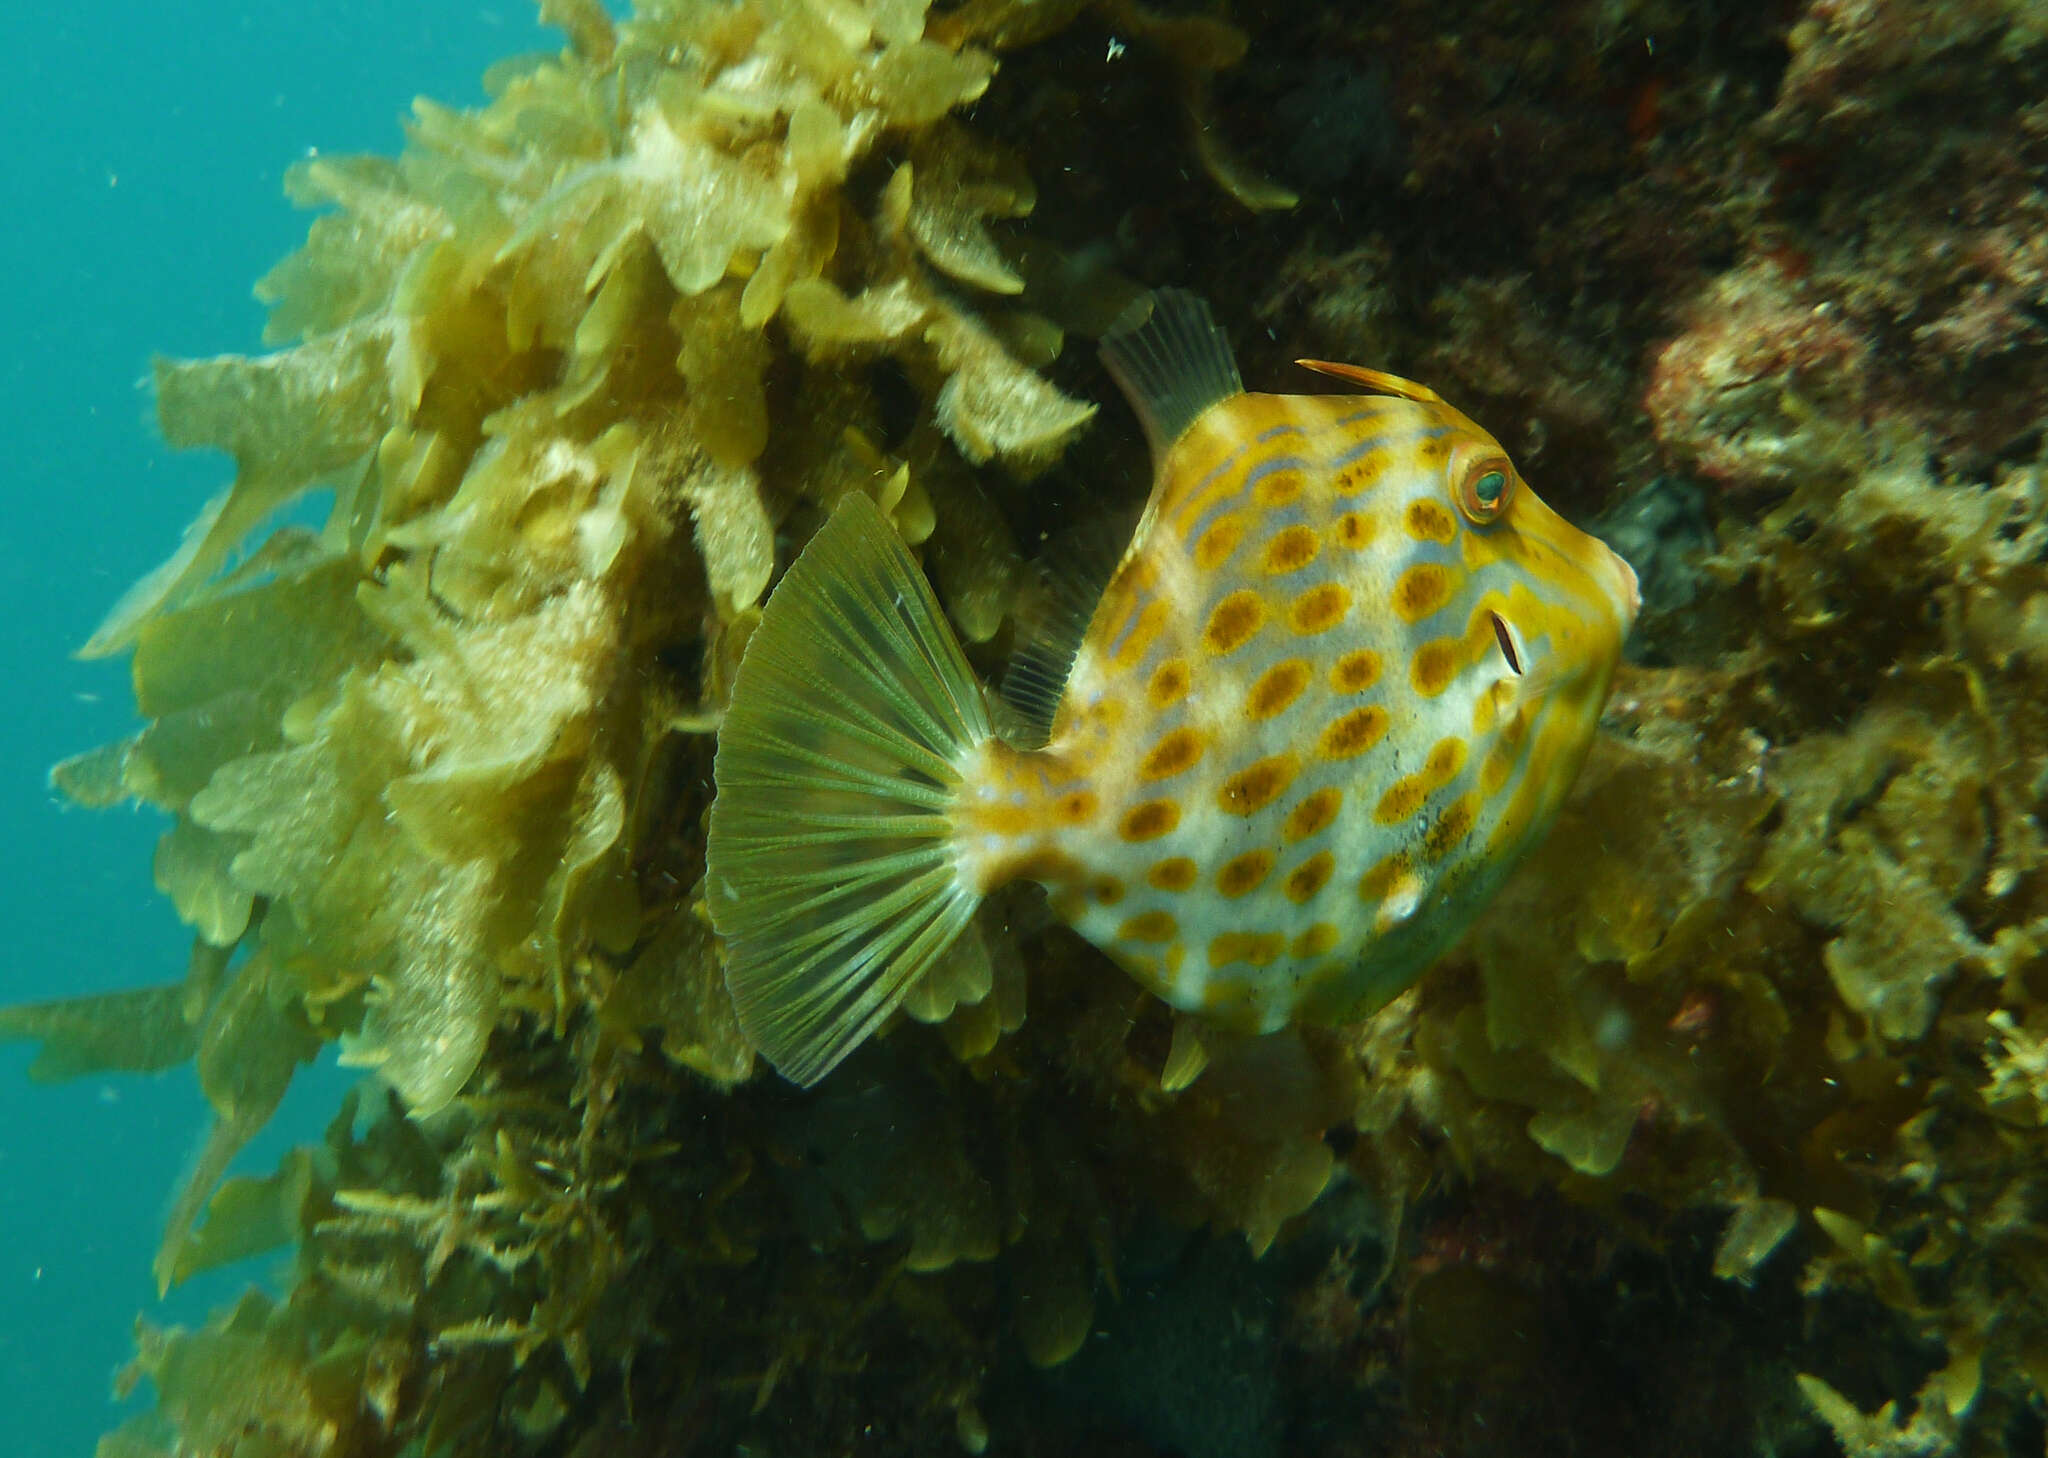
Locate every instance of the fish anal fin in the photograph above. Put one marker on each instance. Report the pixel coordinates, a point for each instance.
(1172, 361)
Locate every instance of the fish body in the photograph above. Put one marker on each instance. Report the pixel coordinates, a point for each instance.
(1338, 685)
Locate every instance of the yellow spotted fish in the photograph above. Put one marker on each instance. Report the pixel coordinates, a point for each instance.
(1337, 686)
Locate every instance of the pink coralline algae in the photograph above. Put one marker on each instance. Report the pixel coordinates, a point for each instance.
(1891, 259)
(1719, 393)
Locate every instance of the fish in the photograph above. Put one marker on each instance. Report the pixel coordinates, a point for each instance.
(1335, 689)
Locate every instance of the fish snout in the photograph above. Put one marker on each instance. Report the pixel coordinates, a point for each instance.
(1631, 589)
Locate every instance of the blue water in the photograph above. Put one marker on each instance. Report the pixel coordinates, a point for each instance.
(141, 152)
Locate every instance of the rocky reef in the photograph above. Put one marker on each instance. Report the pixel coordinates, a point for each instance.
(1722, 1131)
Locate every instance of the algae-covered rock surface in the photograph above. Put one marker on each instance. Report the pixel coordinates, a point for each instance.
(1721, 1132)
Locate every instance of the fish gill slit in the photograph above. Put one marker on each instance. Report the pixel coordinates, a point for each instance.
(1502, 636)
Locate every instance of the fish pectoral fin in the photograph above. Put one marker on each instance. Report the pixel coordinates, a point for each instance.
(1172, 361)
(830, 871)
(1538, 681)
(1377, 381)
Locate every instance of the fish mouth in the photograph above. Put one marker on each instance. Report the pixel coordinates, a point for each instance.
(1612, 577)
(1631, 587)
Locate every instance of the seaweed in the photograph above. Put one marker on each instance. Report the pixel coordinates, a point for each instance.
(1747, 1064)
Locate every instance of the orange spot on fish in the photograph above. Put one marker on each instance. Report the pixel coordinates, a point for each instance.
(1176, 874)
(1175, 753)
(1243, 874)
(1256, 786)
(1446, 758)
(1219, 541)
(1353, 530)
(1149, 820)
(1361, 474)
(1149, 926)
(1429, 522)
(1234, 621)
(1493, 774)
(1402, 799)
(1000, 819)
(1314, 942)
(1486, 707)
(1281, 488)
(1307, 878)
(1118, 608)
(1140, 964)
(1169, 684)
(1132, 646)
(1421, 590)
(1450, 828)
(1319, 609)
(1354, 733)
(1314, 814)
(1436, 663)
(1257, 948)
(1077, 807)
(1355, 672)
(1379, 883)
(1277, 687)
(1290, 549)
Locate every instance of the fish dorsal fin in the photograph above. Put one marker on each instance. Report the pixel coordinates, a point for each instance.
(1172, 361)
(1053, 612)
(1377, 381)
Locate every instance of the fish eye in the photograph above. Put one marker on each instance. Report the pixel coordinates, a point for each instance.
(1482, 482)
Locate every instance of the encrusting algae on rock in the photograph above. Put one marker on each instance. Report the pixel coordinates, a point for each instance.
(1720, 1130)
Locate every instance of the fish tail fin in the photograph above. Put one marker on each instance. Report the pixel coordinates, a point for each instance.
(831, 872)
